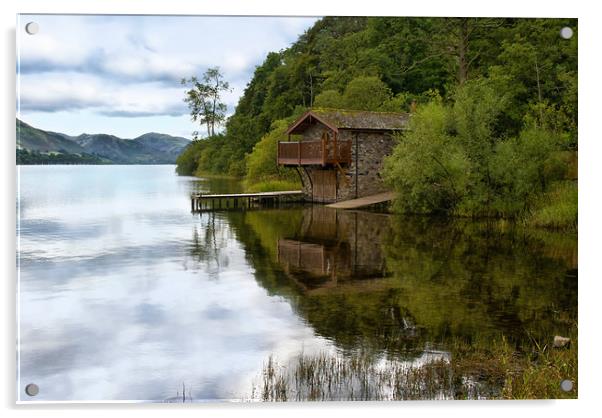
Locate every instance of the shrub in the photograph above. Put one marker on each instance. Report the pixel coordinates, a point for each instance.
(455, 159)
(556, 208)
(261, 164)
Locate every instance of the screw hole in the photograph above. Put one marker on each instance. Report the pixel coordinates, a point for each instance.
(32, 389)
(32, 28)
(566, 32)
(566, 385)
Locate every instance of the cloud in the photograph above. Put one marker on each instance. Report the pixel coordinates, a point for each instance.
(57, 92)
(154, 48)
(131, 66)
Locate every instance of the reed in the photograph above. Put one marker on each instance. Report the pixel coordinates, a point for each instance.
(499, 370)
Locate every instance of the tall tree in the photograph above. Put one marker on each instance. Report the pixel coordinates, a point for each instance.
(204, 99)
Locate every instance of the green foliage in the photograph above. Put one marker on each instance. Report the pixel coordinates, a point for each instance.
(186, 162)
(329, 99)
(450, 280)
(456, 159)
(272, 186)
(427, 167)
(39, 146)
(261, 162)
(525, 166)
(366, 93)
(25, 157)
(204, 99)
(557, 208)
(504, 93)
(538, 69)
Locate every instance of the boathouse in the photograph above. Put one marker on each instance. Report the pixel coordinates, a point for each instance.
(339, 153)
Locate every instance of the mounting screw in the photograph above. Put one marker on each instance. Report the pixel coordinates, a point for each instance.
(32, 28)
(566, 32)
(32, 389)
(566, 385)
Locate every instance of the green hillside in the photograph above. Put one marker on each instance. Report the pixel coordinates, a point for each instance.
(33, 139)
(493, 102)
(36, 146)
(388, 63)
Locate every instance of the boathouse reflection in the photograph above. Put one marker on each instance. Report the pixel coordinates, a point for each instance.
(334, 248)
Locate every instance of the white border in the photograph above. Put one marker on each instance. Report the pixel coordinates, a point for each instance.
(589, 208)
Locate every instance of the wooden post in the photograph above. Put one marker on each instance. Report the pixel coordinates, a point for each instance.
(299, 151)
(336, 157)
(323, 149)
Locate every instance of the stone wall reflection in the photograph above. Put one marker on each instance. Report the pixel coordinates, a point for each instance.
(333, 248)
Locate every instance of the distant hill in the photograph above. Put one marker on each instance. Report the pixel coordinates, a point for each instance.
(33, 139)
(150, 148)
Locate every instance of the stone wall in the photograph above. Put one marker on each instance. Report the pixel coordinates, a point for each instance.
(359, 180)
(365, 178)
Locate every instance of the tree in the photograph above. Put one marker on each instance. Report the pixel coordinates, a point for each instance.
(493, 77)
(329, 98)
(366, 93)
(455, 158)
(261, 162)
(204, 99)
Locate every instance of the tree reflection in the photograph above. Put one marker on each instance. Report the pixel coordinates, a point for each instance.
(398, 285)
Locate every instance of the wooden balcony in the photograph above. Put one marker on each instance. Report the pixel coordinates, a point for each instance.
(314, 152)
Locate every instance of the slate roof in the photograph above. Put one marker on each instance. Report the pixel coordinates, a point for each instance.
(352, 119)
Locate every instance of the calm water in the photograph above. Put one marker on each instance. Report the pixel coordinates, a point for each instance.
(126, 295)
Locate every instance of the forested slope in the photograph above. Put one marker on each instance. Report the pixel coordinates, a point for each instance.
(493, 85)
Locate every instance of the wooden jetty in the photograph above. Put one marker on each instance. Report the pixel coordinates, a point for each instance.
(242, 201)
(363, 201)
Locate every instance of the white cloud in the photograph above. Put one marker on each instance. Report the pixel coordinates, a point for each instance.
(131, 65)
(53, 92)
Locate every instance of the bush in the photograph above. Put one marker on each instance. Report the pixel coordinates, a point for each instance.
(556, 208)
(524, 167)
(186, 163)
(261, 164)
(427, 168)
(272, 186)
(362, 93)
(455, 159)
(366, 93)
(329, 98)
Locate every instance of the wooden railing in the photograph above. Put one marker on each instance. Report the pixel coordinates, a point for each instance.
(314, 152)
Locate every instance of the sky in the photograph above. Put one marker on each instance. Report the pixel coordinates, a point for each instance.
(121, 75)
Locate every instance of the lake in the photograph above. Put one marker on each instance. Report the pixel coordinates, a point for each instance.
(126, 295)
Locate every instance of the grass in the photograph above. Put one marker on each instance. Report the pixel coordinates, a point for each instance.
(327, 377)
(271, 186)
(208, 175)
(540, 376)
(557, 209)
(498, 372)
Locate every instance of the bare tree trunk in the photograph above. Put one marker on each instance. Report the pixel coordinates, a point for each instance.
(311, 91)
(538, 90)
(463, 51)
(213, 110)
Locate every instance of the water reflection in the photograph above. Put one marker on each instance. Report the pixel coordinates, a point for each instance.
(126, 295)
(398, 285)
(333, 247)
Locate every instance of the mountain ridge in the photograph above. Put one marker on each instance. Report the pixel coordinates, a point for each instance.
(148, 148)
